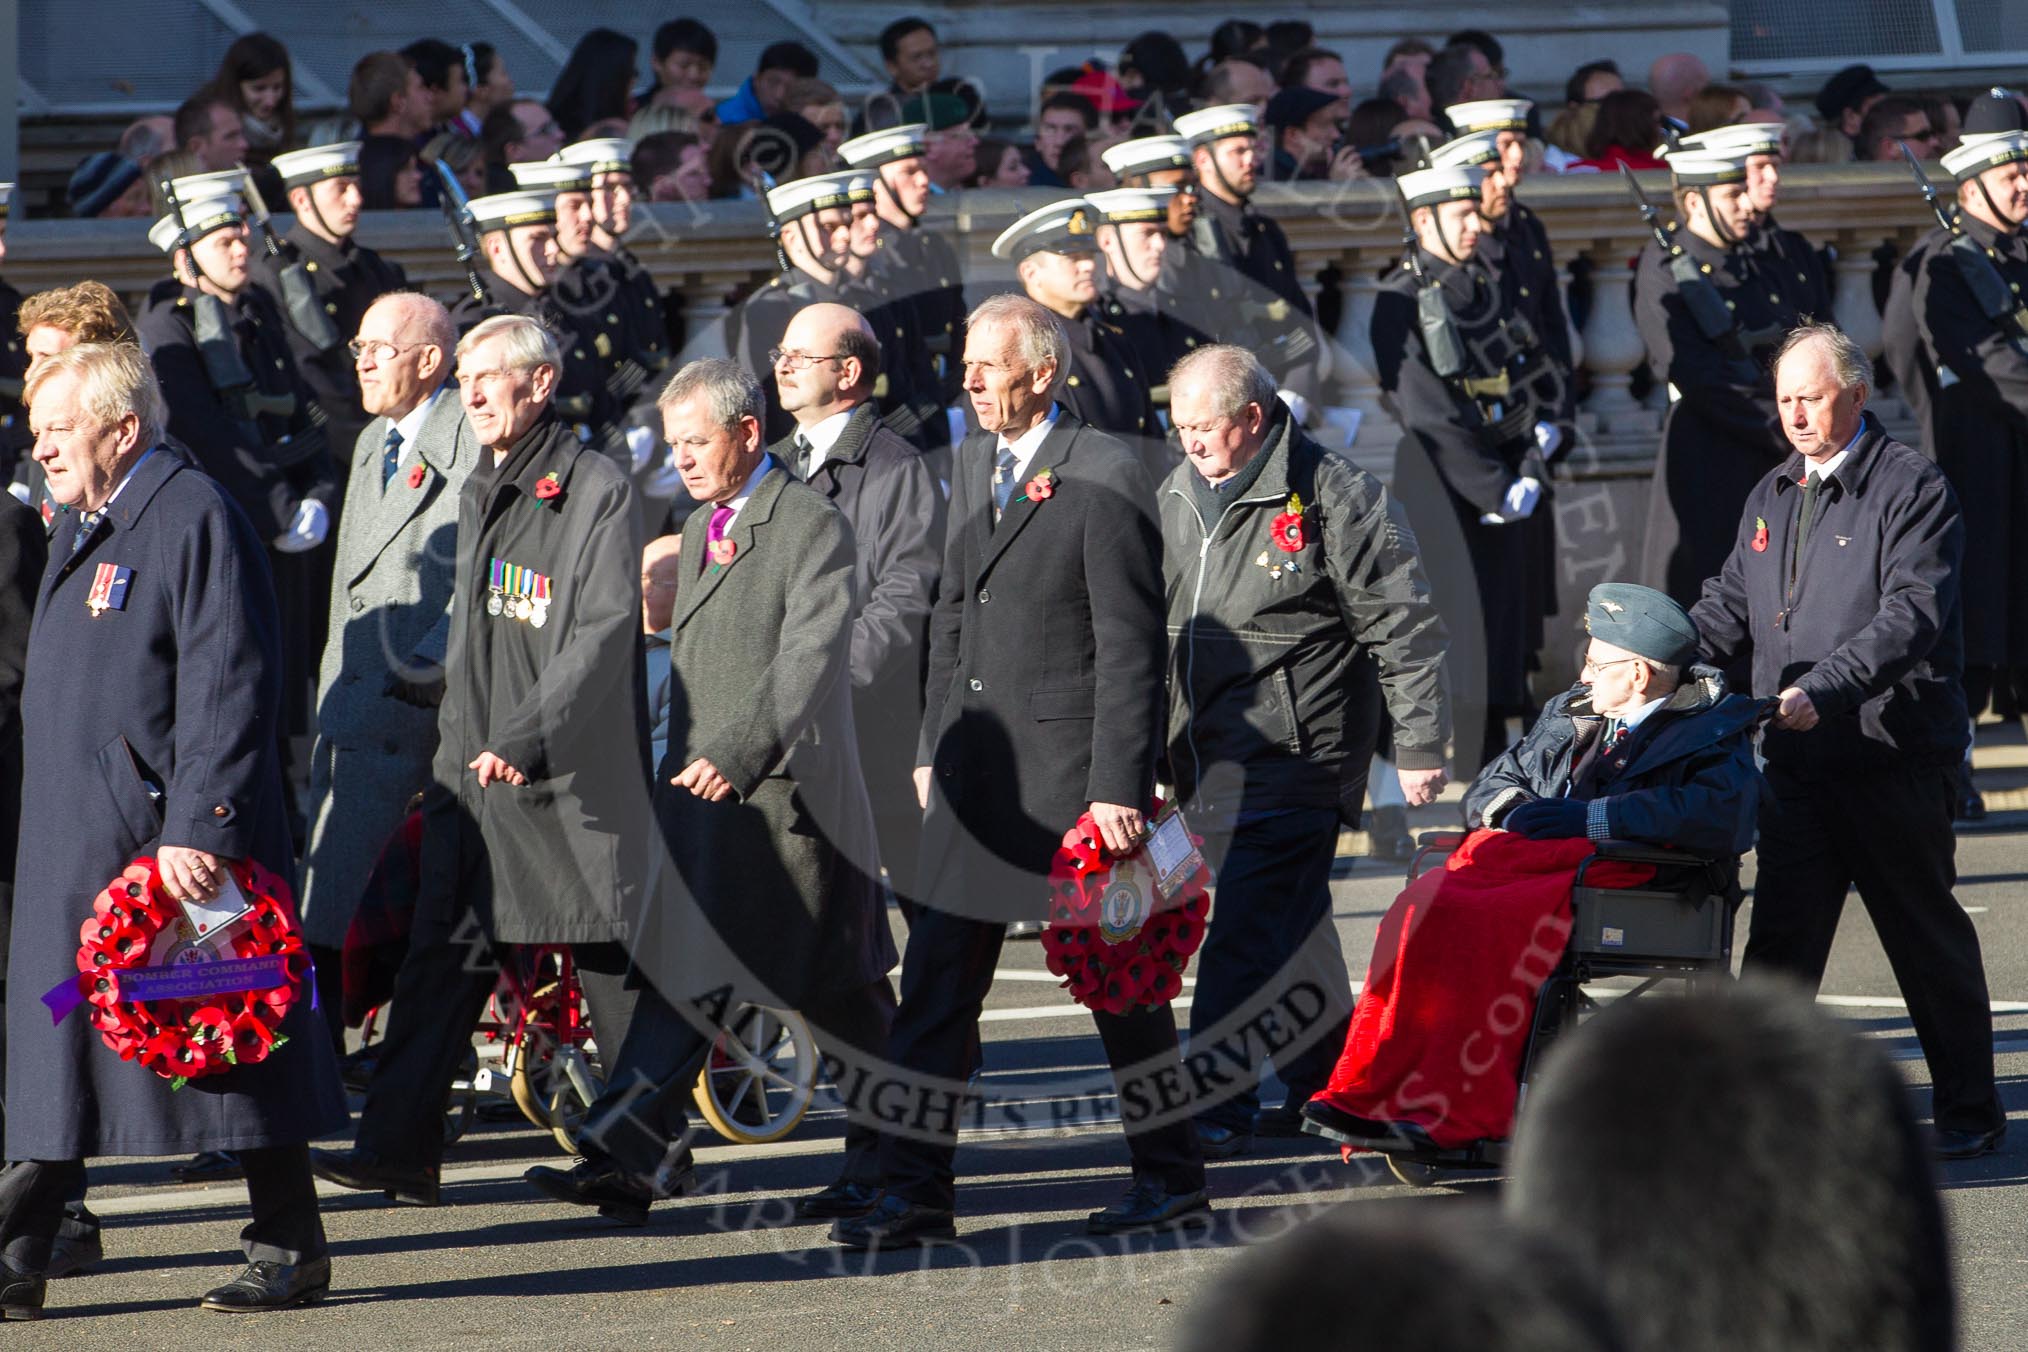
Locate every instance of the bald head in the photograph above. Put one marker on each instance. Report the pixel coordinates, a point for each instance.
(1674, 80)
(830, 360)
(659, 561)
(407, 342)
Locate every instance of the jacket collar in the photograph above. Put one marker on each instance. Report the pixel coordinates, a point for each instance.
(1851, 476)
(144, 482)
(855, 437)
(745, 536)
(1052, 454)
(549, 447)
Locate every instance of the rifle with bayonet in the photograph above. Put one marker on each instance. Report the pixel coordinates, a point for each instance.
(1995, 299)
(1442, 341)
(1708, 310)
(299, 294)
(218, 343)
(464, 235)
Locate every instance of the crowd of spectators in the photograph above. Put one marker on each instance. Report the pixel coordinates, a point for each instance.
(458, 102)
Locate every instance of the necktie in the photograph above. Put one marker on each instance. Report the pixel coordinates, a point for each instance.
(1003, 482)
(1813, 490)
(390, 457)
(802, 465)
(719, 517)
(86, 524)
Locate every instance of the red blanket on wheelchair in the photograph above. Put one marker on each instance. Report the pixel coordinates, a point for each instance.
(1441, 1026)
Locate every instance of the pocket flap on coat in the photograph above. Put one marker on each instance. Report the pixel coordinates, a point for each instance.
(1067, 702)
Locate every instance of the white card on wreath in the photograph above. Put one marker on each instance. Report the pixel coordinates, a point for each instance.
(213, 917)
(1173, 853)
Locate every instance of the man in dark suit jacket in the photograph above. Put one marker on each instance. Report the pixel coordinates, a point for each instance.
(830, 361)
(771, 897)
(1044, 701)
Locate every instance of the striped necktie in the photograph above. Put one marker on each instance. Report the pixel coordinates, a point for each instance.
(390, 457)
(1003, 482)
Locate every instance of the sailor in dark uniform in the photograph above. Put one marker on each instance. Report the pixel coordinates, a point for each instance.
(1159, 162)
(14, 439)
(649, 337)
(905, 407)
(1764, 145)
(1455, 370)
(1055, 253)
(1711, 320)
(920, 269)
(1966, 298)
(1133, 234)
(811, 221)
(1236, 274)
(344, 277)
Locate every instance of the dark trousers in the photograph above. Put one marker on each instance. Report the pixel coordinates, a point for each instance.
(438, 997)
(1889, 833)
(644, 1110)
(329, 966)
(286, 1225)
(1270, 930)
(945, 975)
(78, 1223)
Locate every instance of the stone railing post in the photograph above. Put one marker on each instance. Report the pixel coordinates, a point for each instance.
(1612, 342)
(1852, 291)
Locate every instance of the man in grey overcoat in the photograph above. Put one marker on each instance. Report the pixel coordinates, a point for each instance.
(771, 894)
(382, 674)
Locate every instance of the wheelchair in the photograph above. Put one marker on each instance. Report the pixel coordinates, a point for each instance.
(1675, 928)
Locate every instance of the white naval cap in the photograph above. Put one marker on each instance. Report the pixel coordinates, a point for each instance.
(805, 196)
(6, 193)
(859, 184)
(601, 155)
(1064, 226)
(203, 213)
(1746, 138)
(875, 148)
(298, 168)
(1147, 155)
(1449, 183)
(193, 186)
(1489, 115)
(1705, 166)
(1977, 152)
(1465, 151)
(1215, 124)
(505, 210)
(1125, 206)
(552, 176)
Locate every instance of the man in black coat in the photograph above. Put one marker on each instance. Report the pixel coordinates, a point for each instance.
(634, 295)
(1133, 235)
(345, 276)
(771, 894)
(830, 360)
(157, 589)
(1844, 585)
(1043, 702)
(536, 827)
(1285, 574)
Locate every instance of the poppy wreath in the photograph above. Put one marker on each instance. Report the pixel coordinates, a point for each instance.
(135, 925)
(1115, 940)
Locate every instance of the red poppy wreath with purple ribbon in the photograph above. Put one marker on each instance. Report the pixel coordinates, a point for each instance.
(1116, 936)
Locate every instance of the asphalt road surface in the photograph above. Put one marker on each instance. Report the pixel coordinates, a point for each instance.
(499, 1266)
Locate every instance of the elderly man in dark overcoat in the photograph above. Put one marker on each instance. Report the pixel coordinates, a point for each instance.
(1044, 702)
(535, 828)
(771, 893)
(150, 707)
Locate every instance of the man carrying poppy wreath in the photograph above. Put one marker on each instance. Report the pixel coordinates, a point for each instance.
(1647, 747)
(1285, 567)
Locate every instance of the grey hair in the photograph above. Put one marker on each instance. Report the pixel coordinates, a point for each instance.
(428, 315)
(731, 391)
(1039, 337)
(114, 379)
(1232, 376)
(528, 344)
(1848, 359)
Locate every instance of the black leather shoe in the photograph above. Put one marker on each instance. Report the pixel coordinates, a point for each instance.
(840, 1199)
(1148, 1205)
(1965, 1145)
(20, 1294)
(1216, 1142)
(1284, 1122)
(1025, 929)
(366, 1171)
(272, 1286)
(893, 1222)
(1321, 1119)
(616, 1193)
(76, 1247)
(212, 1166)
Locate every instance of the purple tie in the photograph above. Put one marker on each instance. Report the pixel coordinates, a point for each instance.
(719, 516)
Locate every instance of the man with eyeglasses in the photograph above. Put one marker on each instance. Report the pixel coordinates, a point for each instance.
(390, 621)
(323, 187)
(1891, 122)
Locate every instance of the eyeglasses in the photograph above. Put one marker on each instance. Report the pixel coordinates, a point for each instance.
(381, 351)
(799, 361)
(1591, 668)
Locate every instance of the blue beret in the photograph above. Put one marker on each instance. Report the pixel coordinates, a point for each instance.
(1643, 621)
(99, 181)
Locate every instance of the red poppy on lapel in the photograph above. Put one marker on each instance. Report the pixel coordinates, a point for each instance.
(415, 476)
(547, 488)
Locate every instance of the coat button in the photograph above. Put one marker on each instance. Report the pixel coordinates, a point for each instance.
(221, 811)
(977, 684)
(984, 596)
(358, 604)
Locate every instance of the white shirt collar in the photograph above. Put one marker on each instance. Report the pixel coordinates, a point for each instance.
(1640, 715)
(1028, 443)
(411, 424)
(1813, 470)
(738, 503)
(824, 435)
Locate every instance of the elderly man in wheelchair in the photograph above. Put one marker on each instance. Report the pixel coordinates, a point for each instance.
(1604, 844)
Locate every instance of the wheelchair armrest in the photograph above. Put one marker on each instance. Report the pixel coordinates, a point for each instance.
(1640, 852)
(1440, 840)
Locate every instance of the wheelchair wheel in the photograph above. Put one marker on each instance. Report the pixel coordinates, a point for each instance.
(759, 1077)
(1414, 1172)
(553, 1091)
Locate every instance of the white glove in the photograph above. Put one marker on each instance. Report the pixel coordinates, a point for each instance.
(1522, 495)
(307, 531)
(1299, 407)
(641, 446)
(1549, 437)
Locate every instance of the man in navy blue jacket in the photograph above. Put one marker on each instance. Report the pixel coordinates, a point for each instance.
(1844, 585)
